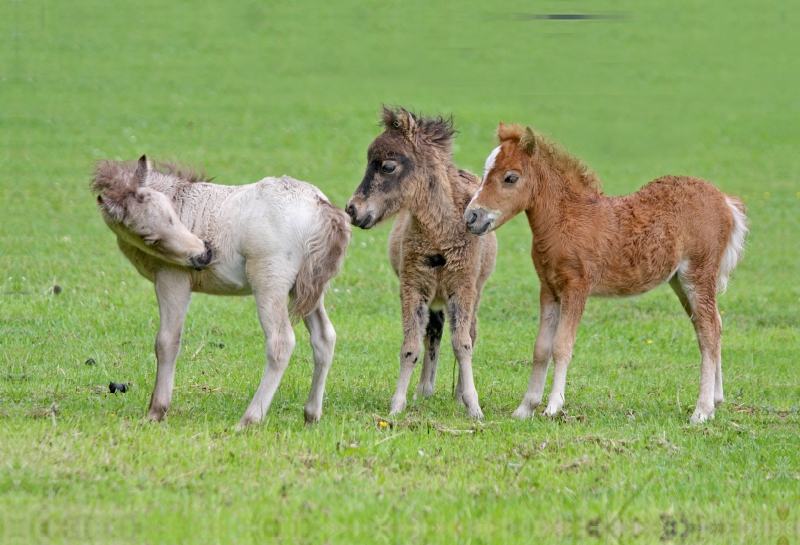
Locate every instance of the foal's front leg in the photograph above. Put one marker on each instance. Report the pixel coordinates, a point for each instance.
(572, 304)
(415, 314)
(549, 315)
(174, 292)
(460, 310)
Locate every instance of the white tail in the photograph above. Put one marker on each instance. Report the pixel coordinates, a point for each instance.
(734, 252)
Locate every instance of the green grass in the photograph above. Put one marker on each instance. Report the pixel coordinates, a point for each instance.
(264, 88)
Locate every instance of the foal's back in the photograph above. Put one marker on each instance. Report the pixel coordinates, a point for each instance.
(671, 220)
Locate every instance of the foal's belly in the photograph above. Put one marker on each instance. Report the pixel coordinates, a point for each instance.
(439, 300)
(626, 285)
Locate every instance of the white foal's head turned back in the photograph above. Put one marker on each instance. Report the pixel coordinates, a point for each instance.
(144, 217)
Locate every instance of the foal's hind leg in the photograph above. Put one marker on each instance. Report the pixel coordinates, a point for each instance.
(270, 293)
(698, 295)
(323, 340)
(433, 337)
(174, 291)
(719, 396)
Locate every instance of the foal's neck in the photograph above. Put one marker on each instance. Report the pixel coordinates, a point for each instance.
(434, 204)
(196, 211)
(168, 185)
(558, 192)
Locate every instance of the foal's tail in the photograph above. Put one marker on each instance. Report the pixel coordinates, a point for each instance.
(734, 252)
(325, 250)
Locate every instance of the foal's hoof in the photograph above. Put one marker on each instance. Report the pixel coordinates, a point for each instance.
(247, 421)
(312, 416)
(555, 402)
(552, 410)
(398, 405)
(524, 411)
(701, 415)
(157, 414)
(475, 413)
(423, 392)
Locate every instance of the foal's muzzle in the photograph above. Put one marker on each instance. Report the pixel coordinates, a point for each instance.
(204, 260)
(479, 221)
(364, 219)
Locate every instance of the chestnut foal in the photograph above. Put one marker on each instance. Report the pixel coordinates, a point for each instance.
(677, 229)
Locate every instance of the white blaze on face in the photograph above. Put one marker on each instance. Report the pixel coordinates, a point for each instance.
(490, 163)
(486, 169)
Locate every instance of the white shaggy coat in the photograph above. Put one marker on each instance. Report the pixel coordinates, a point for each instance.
(276, 238)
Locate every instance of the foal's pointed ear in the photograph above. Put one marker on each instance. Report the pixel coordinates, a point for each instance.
(406, 123)
(142, 168)
(527, 141)
(506, 132)
(501, 131)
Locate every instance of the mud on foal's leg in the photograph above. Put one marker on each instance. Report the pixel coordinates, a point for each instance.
(550, 314)
(174, 291)
(460, 310)
(323, 340)
(415, 316)
(430, 361)
(271, 297)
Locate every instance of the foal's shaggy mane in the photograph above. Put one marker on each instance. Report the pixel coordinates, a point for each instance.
(558, 156)
(437, 130)
(185, 173)
(115, 181)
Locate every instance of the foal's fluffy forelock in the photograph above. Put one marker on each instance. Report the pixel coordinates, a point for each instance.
(116, 181)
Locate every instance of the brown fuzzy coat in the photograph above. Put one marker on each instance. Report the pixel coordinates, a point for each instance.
(677, 229)
(441, 265)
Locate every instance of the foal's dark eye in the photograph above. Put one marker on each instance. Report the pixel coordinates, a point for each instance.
(511, 179)
(388, 167)
(152, 241)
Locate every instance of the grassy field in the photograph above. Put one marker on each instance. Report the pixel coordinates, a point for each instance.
(260, 88)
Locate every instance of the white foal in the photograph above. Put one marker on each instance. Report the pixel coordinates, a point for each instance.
(274, 239)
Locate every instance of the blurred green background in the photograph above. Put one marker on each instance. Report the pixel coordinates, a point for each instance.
(250, 89)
